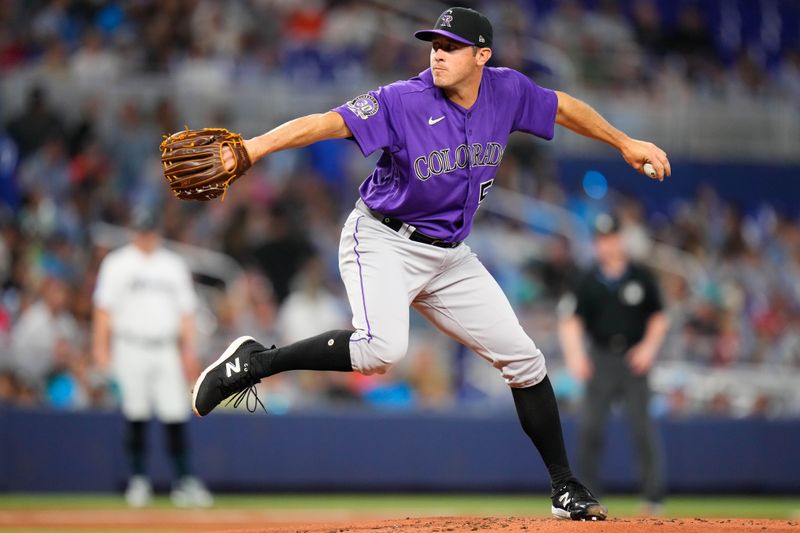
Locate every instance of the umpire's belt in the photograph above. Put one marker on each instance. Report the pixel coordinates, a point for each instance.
(406, 230)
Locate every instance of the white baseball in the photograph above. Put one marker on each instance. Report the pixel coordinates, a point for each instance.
(649, 170)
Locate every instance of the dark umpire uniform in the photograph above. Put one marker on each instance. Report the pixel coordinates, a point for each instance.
(618, 305)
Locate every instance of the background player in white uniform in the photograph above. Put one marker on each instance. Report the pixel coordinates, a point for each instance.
(441, 135)
(144, 334)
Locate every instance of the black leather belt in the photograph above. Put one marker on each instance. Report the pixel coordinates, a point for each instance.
(416, 236)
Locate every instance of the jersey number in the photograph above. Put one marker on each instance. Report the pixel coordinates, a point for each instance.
(485, 186)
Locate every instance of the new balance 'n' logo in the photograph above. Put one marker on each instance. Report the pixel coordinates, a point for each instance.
(232, 367)
(564, 498)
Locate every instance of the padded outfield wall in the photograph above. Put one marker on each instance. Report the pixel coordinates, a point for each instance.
(54, 451)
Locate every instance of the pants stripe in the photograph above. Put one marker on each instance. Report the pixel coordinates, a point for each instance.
(361, 279)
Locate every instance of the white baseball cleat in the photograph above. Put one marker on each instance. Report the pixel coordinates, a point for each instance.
(191, 492)
(139, 492)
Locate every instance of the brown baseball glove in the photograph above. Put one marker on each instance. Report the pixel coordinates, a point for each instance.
(193, 164)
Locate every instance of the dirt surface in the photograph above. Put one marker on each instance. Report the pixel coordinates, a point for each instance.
(247, 521)
(543, 525)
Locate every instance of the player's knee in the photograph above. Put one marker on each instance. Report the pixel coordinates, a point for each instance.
(378, 354)
(526, 370)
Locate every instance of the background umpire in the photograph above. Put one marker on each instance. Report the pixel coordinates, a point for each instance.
(618, 305)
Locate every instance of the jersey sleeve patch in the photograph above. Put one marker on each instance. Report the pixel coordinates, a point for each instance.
(364, 106)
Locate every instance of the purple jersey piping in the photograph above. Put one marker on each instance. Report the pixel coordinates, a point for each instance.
(361, 279)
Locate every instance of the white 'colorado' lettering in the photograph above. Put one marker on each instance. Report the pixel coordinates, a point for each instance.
(443, 161)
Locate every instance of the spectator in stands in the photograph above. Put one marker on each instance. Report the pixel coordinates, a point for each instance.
(85, 131)
(309, 306)
(95, 65)
(648, 28)
(257, 310)
(166, 117)
(558, 273)
(42, 340)
(47, 170)
(53, 66)
(691, 41)
(285, 248)
(749, 78)
(132, 148)
(36, 124)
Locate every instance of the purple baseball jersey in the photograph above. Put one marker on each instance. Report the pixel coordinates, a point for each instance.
(440, 159)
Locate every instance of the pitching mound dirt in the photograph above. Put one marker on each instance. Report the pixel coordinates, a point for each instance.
(221, 521)
(540, 525)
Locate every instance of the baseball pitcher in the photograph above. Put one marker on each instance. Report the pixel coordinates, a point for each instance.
(441, 136)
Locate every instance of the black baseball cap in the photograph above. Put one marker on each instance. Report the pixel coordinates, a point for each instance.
(605, 224)
(461, 24)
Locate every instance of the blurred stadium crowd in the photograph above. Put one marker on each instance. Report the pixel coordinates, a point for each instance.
(69, 175)
(719, 48)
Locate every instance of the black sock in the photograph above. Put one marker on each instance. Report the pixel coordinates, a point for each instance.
(135, 446)
(538, 413)
(328, 351)
(178, 451)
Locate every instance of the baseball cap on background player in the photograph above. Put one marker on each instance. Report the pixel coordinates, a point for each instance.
(461, 24)
(145, 220)
(605, 224)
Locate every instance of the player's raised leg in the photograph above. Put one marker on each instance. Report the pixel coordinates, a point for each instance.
(466, 303)
(374, 279)
(246, 361)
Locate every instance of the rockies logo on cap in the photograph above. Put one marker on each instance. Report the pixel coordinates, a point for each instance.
(463, 25)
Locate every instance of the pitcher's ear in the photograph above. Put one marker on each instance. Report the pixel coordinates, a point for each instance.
(483, 55)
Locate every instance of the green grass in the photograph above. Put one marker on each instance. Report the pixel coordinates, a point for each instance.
(436, 504)
(402, 505)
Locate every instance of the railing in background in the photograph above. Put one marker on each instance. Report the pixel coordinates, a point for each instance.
(530, 211)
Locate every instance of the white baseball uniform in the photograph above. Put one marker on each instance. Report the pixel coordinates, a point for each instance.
(146, 295)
